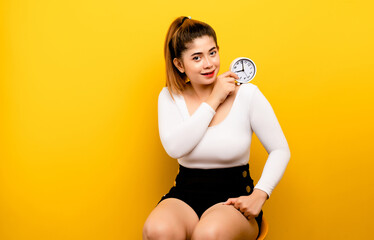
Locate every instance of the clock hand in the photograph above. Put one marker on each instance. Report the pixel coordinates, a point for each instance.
(245, 72)
(241, 69)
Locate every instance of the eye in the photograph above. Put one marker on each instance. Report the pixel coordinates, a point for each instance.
(213, 52)
(195, 58)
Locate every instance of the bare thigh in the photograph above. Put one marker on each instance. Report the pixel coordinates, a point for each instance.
(225, 222)
(170, 219)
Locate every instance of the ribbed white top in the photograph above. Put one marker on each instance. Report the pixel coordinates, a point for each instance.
(227, 144)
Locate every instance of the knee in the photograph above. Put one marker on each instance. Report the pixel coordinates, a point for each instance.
(159, 230)
(207, 233)
(155, 231)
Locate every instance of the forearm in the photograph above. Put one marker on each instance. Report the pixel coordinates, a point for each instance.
(273, 171)
(182, 137)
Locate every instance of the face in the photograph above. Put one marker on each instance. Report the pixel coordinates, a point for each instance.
(201, 57)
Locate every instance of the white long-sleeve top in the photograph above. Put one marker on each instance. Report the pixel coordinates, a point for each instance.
(227, 144)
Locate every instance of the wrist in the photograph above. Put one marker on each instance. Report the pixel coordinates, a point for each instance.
(213, 102)
(260, 193)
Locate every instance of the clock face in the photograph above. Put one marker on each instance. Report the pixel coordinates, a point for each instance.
(245, 68)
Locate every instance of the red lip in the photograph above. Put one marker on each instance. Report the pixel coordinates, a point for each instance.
(209, 75)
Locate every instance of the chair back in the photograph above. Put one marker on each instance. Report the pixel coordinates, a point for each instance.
(264, 229)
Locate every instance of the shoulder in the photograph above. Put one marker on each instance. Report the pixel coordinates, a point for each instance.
(249, 87)
(164, 90)
(248, 90)
(164, 95)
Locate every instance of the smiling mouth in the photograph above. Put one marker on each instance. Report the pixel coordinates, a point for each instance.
(209, 73)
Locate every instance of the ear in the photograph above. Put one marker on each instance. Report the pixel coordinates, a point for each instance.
(178, 64)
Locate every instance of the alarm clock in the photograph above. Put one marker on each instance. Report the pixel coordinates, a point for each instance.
(245, 68)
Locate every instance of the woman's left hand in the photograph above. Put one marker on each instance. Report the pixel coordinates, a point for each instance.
(250, 206)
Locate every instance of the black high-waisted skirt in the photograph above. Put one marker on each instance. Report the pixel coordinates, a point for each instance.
(202, 188)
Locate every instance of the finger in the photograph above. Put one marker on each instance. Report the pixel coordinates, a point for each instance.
(247, 215)
(227, 202)
(230, 74)
(230, 201)
(234, 75)
(237, 204)
(230, 80)
(233, 79)
(250, 214)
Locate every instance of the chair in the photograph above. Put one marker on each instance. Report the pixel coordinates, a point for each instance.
(264, 229)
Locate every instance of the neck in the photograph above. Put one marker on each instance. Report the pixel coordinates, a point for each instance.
(201, 91)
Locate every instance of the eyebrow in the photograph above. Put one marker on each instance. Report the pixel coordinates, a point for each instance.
(197, 53)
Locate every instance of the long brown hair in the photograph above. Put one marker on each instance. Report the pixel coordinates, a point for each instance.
(181, 32)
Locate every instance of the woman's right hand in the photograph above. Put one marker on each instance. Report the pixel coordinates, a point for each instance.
(224, 86)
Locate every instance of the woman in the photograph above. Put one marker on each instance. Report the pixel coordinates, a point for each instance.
(206, 122)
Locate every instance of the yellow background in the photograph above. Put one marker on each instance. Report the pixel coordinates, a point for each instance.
(80, 154)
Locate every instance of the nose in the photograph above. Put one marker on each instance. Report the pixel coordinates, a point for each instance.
(207, 63)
